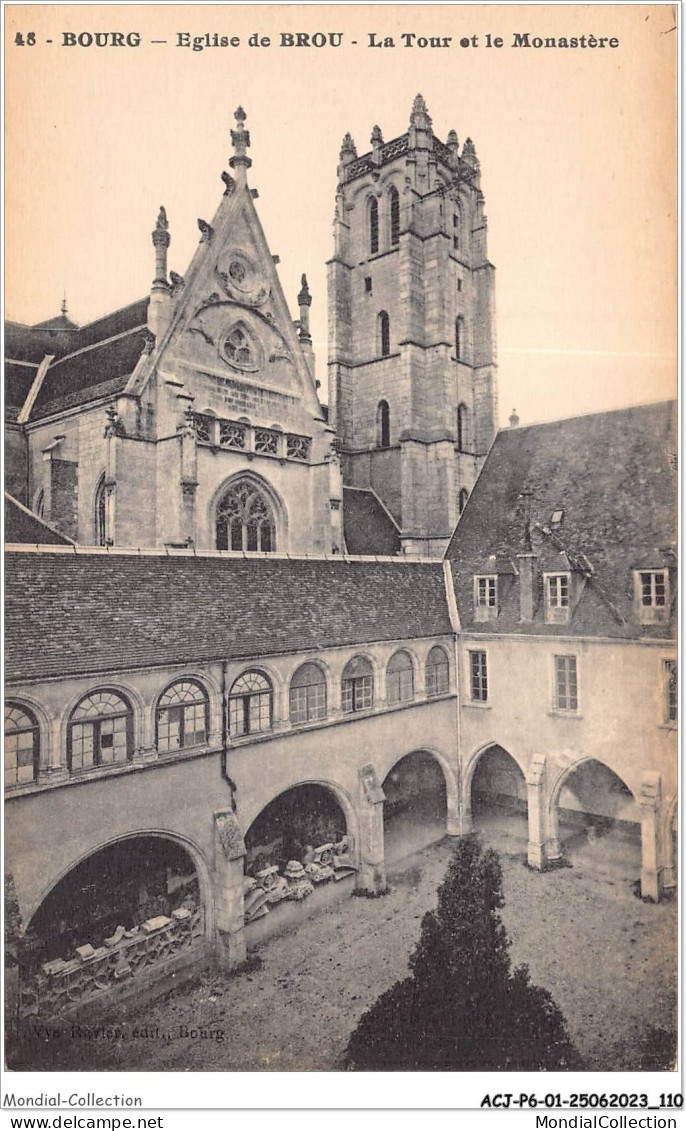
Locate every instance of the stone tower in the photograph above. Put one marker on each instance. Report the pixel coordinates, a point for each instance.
(412, 365)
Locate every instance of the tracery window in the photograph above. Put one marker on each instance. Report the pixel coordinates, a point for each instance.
(182, 716)
(239, 348)
(244, 520)
(101, 532)
(22, 745)
(394, 210)
(250, 704)
(100, 731)
(307, 696)
(357, 687)
(400, 678)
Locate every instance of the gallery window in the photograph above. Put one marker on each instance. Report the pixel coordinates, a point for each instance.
(307, 696)
(182, 716)
(462, 428)
(400, 678)
(459, 338)
(250, 704)
(394, 210)
(101, 531)
(100, 731)
(373, 226)
(437, 672)
(22, 745)
(357, 686)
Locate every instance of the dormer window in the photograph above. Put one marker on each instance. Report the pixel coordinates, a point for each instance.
(486, 597)
(557, 598)
(652, 595)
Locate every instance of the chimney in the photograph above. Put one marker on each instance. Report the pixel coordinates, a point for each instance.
(526, 564)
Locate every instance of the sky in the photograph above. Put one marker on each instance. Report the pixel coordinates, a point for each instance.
(577, 151)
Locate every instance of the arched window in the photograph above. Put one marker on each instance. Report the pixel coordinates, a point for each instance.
(383, 333)
(101, 531)
(456, 231)
(22, 745)
(357, 688)
(383, 425)
(437, 672)
(394, 214)
(39, 508)
(100, 731)
(373, 226)
(307, 697)
(250, 704)
(464, 495)
(244, 520)
(462, 428)
(459, 338)
(400, 678)
(182, 716)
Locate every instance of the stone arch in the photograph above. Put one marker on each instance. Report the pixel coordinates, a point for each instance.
(471, 765)
(324, 670)
(196, 675)
(334, 789)
(421, 804)
(196, 855)
(274, 501)
(495, 793)
(591, 823)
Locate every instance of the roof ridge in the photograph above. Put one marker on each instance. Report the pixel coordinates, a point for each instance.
(168, 552)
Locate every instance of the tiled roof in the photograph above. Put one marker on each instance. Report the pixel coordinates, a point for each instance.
(368, 528)
(613, 476)
(60, 336)
(22, 525)
(18, 382)
(76, 613)
(102, 370)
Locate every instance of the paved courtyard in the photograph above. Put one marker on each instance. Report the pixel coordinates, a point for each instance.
(607, 958)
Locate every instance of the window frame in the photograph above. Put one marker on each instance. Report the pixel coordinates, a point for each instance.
(477, 659)
(383, 425)
(434, 691)
(383, 332)
(402, 673)
(359, 691)
(182, 707)
(373, 226)
(653, 611)
(245, 698)
(567, 659)
(393, 217)
(34, 729)
(488, 608)
(96, 721)
(559, 609)
(314, 711)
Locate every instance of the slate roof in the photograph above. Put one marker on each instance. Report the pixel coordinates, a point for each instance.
(102, 370)
(367, 526)
(22, 525)
(18, 381)
(613, 475)
(73, 613)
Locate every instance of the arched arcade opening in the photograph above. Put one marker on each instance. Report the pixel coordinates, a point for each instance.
(120, 916)
(596, 820)
(415, 809)
(498, 799)
(298, 850)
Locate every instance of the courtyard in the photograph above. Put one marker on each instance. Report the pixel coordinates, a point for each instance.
(608, 959)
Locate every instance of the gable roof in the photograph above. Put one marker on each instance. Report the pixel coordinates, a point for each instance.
(612, 475)
(98, 371)
(367, 526)
(23, 526)
(79, 612)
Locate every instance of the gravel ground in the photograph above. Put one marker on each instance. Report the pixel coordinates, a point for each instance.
(608, 959)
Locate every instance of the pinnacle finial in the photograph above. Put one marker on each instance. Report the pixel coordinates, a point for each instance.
(63, 308)
(348, 148)
(377, 136)
(420, 118)
(162, 223)
(469, 152)
(240, 139)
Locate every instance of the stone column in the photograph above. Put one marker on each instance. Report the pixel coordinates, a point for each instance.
(650, 805)
(535, 790)
(371, 877)
(227, 883)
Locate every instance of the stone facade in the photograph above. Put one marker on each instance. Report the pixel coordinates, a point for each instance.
(411, 325)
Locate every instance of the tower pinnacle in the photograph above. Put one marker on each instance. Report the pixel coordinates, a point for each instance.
(240, 139)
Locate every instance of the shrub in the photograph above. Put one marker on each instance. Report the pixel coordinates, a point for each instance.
(462, 1007)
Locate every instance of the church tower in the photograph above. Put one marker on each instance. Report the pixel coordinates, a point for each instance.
(412, 364)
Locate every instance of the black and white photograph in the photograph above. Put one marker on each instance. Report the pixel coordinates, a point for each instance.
(340, 528)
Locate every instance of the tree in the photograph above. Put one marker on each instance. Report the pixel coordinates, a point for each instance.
(462, 1007)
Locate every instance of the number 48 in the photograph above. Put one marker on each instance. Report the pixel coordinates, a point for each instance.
(29, 41)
